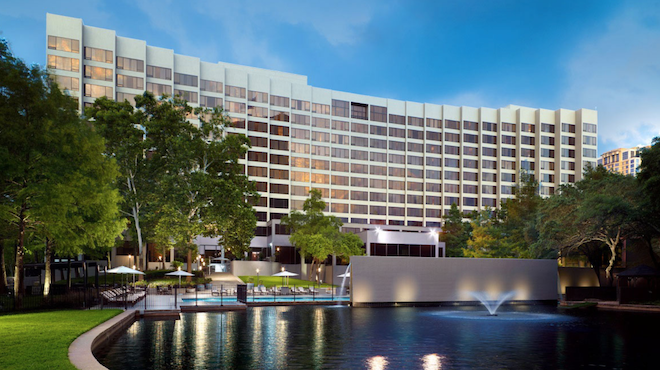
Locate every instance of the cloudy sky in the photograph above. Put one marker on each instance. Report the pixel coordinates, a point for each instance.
(599, 54)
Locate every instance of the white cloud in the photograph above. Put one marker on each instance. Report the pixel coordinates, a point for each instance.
(618, 72)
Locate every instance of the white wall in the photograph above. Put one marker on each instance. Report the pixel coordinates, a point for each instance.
(240, 268)
(410, 279)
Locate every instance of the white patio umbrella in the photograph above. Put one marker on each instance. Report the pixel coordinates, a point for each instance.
(179, 273)
(286, 274)
(345, 274)
(123, 270)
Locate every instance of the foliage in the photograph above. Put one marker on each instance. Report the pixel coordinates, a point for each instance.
(55, 182)
(649, 180)
(271, 281)
(598, 211)
(455, 232)
(41, 340)
(317, 235)
(177, 264)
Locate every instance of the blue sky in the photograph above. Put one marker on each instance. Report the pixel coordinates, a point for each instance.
(602, 55)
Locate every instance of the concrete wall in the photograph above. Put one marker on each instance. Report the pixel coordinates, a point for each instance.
(410, 279)
(576, 276)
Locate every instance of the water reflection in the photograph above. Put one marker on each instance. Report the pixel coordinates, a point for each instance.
(384, 338)
(377, 363)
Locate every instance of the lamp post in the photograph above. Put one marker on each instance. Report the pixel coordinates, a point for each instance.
(257, 278)
(318, 277)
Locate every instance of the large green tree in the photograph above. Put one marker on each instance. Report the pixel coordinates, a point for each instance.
(51, 163)
(599, 210)
(317, 235)
(455, 232)
(649, 179)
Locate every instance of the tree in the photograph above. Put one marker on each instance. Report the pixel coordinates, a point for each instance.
(455, 232)
(317, 235)
(649, 180)
(599, 210)
(51, 162)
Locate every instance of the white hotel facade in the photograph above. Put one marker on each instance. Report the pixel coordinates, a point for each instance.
(388, 168)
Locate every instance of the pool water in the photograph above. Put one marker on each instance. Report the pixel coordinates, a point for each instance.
(341, 337)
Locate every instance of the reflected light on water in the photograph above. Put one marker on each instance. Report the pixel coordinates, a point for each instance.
(377, 363)
(432, 362)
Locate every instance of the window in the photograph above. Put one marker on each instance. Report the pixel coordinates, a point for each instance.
(433, 162)
(508, 177)
(320, 122)
(433, 175)
(397, 185)
(489, 126)
(339, 194)
(397, 172)
(432, 148)
(279, 174)
(279, 130)
(339, 208)
(257, 171)
(470, 189)
(279, 101)
(339, 180)
(451, 175)
(299, 148)
(159, 72)
(378, 114)
(359, 195)
(340, 108)
(547, 140)
(235, 92)
(567, 127)
(378, 157)
(359, 128)
(589, 140)
(435, 123)
(340, 125)
(470, 163)
(258, 97)
(509, 127)
(98, 73)
(254, 111)
(489, 152)
(232, 106)
(508, 165)
(362, 182)
(511, 140)
(188, 96)
(451, 162)
(63, 63)
(320, 108)
(299, 119)
(548, 166)
(279, 188)
(258, 156)
(414, 160)
(237, 122)
(489, 189)
(158, 89)
(70, 83)
(360, 155)
(397, 159)
(378, 170)
(340, 139)
(454, 125)
(589, 153)
(470, 176)
(397, 145)
(415, 186)
(279, 116)
(279, 203)
(469, 125)
(453, 138)
(359, 111)
(431, 187)
(378, 144)
(527, 127)
(322, 151)
(527, 153)
(528, 140)
(568, 153)
(184, 79)
(415, 121)
(394, 118)
(300, 105)
(319, 178)
(257, 126)
(378, 184)
(340, 153)
(211, 86)
(260, 142)
(486, 164)
(451, 200)
(449, 149)
(98, 55)
(415, 147)
(414, 134)
(210, 102)
(567, 140)
(546, 127)
(340, 166)
(468, 138)
(359, 168)
(566, 165)
(96, 91)
(589, 127)
(415, 174)
(64, 44)
(397, 132)
(508, 152)
(489, 139)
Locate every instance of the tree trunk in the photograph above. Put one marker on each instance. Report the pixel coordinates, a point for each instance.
(313, 270)
(189, 278)
(3, 271)
(163, 258)
(48, 253)
(68, 273)
(19, 286)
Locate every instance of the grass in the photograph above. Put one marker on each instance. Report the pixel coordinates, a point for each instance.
(41, 340)
(270, 281)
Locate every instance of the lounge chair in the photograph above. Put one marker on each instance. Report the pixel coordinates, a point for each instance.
(301, 290)
(214, 292)
(262, 290)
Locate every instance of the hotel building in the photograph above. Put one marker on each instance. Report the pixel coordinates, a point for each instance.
(388, 168)
(623, 160)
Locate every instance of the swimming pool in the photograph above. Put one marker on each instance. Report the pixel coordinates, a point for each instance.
(341, 337)
(269, 299)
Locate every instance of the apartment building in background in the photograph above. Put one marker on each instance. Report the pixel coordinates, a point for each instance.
(623, 160)
(388, 168)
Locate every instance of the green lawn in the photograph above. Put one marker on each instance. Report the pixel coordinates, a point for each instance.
(269, 281)
(41, 340)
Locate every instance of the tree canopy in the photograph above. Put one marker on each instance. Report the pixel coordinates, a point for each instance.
(317, 235)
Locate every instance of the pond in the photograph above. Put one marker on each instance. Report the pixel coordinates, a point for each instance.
(341, 337)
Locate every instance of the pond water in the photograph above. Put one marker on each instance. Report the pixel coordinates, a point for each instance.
(340, 337)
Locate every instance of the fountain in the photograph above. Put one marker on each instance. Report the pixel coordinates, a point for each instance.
(492, 304)
(343, 281)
